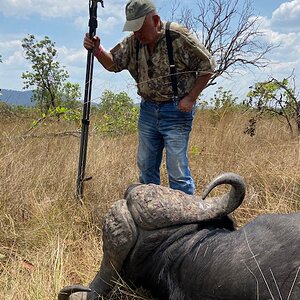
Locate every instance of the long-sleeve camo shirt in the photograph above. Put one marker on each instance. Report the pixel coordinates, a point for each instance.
(151, 71)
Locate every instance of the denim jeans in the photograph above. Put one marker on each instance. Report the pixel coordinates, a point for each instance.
(162, 125)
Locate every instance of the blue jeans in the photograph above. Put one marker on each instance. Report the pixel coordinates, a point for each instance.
(164, 126)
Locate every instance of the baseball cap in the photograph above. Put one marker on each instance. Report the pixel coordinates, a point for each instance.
(136, 11)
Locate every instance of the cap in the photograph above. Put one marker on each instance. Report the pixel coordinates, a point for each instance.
(136, 11)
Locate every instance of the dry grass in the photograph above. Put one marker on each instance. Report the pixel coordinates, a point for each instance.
(48, 240)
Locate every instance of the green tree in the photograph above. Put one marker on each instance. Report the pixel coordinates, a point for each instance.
(71, 96)
(119, 114)
(47, 76)
(278, 98)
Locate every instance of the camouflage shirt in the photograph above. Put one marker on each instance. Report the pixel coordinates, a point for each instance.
(151, 71)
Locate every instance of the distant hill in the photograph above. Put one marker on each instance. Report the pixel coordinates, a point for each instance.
(13, 97)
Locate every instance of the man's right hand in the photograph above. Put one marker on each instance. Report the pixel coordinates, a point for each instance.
(103, 56)
(91, 43)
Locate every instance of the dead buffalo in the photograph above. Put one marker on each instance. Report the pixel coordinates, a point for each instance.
(179, 246)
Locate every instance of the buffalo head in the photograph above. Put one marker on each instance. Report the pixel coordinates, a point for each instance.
(148, 208)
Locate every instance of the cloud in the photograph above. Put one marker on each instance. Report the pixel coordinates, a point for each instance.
(108, 23)
(81, 23)
(282, 29)
(69, 56)
(14, 63)
(56, 8)
(286, 17)
(45, 8)
(12, 51)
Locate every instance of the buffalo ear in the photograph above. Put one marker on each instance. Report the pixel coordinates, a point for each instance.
(229, 223)
(223, 222)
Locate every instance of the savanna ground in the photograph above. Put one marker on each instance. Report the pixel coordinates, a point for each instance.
(49, 240)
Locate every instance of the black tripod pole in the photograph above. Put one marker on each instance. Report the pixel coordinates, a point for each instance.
(87, 102)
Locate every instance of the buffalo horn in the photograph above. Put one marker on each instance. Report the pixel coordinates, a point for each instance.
(154, 206)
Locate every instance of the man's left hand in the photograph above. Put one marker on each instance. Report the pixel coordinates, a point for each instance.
(186, 104)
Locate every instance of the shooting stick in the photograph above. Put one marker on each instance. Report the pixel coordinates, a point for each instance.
(87, 101)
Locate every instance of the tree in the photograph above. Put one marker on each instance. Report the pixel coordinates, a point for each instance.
(47, 77)
(276, 97)
(119, 114)
(229, 31)
(71, 95)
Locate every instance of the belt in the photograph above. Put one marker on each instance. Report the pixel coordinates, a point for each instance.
(159, 102)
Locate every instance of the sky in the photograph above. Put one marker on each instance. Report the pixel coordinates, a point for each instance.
(66, 22)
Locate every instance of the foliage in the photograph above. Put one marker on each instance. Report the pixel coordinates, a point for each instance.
(47, 76)
(59, 113)
(222, 102)
(65, 113)
(275, 97)
(16, 111)
(5, 110)
(71, 95)
(119, 114)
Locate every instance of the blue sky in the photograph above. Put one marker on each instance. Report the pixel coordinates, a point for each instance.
(65, 22)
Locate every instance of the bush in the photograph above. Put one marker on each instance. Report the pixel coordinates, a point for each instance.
(119, 114)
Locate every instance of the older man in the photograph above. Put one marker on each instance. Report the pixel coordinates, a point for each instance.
(167, 98)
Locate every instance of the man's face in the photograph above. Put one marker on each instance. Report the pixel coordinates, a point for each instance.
(148, 32)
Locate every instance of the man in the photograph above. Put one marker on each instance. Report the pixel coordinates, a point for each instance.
(163, 122)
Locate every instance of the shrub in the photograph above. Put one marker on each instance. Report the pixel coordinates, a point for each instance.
(119, 114)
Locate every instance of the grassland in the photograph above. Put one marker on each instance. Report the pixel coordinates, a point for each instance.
(49, 240)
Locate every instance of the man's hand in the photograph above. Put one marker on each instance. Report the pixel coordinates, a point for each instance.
(89, 43)
(103, 56)
(186, 104)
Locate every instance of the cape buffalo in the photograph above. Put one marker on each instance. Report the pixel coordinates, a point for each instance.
(181, 247)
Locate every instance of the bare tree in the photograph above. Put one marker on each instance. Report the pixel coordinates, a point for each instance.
(229, 30)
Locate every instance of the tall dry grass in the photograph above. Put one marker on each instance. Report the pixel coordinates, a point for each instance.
(49, 240)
